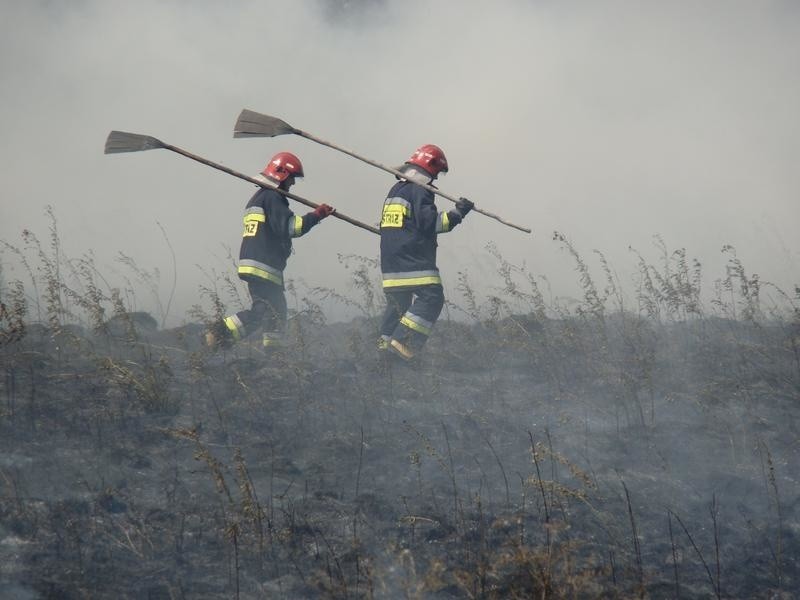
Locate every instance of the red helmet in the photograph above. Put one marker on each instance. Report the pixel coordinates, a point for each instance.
(283, 165)
(429, 157)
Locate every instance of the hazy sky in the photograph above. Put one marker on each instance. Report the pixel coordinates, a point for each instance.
(608, 121)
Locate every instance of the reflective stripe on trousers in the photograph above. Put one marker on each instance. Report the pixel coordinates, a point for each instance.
(236, 327)
(260, 270)
(411, 278)
(416, 323)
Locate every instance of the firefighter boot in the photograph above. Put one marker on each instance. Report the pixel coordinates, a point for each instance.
(400, 349)
(383, 343)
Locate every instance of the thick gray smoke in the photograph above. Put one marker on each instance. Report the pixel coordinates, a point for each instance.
(561, 448)
(609, 123)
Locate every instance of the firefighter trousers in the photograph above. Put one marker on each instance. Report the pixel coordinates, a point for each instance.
(411, 314)
(268, 311)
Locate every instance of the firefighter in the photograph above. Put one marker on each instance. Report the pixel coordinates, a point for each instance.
(269, 226)
(410, 223)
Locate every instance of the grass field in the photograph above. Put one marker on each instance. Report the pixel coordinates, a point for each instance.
(626, 445)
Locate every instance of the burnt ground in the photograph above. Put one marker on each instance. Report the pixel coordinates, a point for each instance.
(583, 457)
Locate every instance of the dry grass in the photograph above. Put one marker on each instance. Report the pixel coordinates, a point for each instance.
(477, 511)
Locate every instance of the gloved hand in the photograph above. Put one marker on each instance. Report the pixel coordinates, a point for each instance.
(323, 210)
(463, 206)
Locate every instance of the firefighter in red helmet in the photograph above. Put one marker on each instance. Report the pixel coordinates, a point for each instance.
(410, 224)
(269, 227)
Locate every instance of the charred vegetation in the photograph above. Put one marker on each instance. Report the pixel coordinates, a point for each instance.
(615, 445)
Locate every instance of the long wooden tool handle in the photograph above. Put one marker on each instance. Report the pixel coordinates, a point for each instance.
(399, 174)
(295, 197)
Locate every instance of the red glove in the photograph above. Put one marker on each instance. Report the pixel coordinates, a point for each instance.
(323, 210)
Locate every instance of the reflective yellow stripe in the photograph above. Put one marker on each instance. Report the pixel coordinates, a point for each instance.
(248, 270)
(230, 323)
(445, 223)
(399, 202)
(414, 325)
(268, 341)
(255, 217)
(298, 226)
(429, 280)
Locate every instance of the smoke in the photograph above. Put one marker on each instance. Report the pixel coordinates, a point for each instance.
(610, 124)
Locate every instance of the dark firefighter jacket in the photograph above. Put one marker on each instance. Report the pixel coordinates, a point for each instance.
(269, 227)
(409, 226)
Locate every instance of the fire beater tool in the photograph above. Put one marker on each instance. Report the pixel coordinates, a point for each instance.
(122, 141)
(253, 124)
